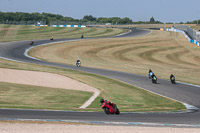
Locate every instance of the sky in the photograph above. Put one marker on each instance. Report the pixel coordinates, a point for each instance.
(137, 10)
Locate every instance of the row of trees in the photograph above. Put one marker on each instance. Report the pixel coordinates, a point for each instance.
(193, 22)
(45, 17)
(112, 20)
(49, 18)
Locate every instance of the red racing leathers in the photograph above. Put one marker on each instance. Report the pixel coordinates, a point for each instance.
(109, 105)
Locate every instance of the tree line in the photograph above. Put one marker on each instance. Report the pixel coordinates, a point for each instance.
(48, 18)
(40, 17)
(193, 22)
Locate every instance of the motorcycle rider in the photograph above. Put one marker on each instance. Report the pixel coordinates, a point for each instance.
(172, 78)
(109, 107)
(102, 101)
(150, 74)
(31, 43)
(82, 36)
(78, 62)
(51, 38)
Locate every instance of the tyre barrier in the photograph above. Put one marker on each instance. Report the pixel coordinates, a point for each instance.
(80, 26)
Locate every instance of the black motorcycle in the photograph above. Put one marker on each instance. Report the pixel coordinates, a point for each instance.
(31, 43)
(154, 79)
(78, 64)
(172, 79)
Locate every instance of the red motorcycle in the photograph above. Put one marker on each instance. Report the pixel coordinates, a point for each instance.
(109, 108)
(31, 43)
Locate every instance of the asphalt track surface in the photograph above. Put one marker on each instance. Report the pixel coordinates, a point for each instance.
(182, 92)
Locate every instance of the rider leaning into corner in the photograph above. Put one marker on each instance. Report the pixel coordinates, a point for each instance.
(102, 101)
(150, 74)
(109, 107)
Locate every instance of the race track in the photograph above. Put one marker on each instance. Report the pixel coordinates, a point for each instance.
(184, 93)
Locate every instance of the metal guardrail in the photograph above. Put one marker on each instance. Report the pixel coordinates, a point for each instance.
(191, 33)
(186, 35)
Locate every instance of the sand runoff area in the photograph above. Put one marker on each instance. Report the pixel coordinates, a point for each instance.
(46, 80)
(67, 128)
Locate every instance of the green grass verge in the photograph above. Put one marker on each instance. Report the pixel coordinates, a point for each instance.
(22, 32)
(33, 97)
(127, 97)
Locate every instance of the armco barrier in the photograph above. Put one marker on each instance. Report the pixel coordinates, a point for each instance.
(188, 38)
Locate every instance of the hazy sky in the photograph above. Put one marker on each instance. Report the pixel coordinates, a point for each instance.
(162, 10)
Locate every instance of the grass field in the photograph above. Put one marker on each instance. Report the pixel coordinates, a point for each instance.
(163, 52)
(34, 97)
(20, 32)
(127, 97)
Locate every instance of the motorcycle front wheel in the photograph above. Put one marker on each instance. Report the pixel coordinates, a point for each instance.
(106, 110)
(117, 111)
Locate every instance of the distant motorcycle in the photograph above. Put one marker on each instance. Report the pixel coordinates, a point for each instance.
(172, 79)
(110, 108)
(154, 79)
(78, 63)
(82, 36)
(31, 43)
(51, 39)
(150, 74)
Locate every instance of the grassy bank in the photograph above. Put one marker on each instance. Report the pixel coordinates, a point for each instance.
(33, 97)
(163, 52)
(21, 32)
(127, 97)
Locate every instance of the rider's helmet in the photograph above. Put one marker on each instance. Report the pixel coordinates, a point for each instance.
(150, 70)
(102, 100)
